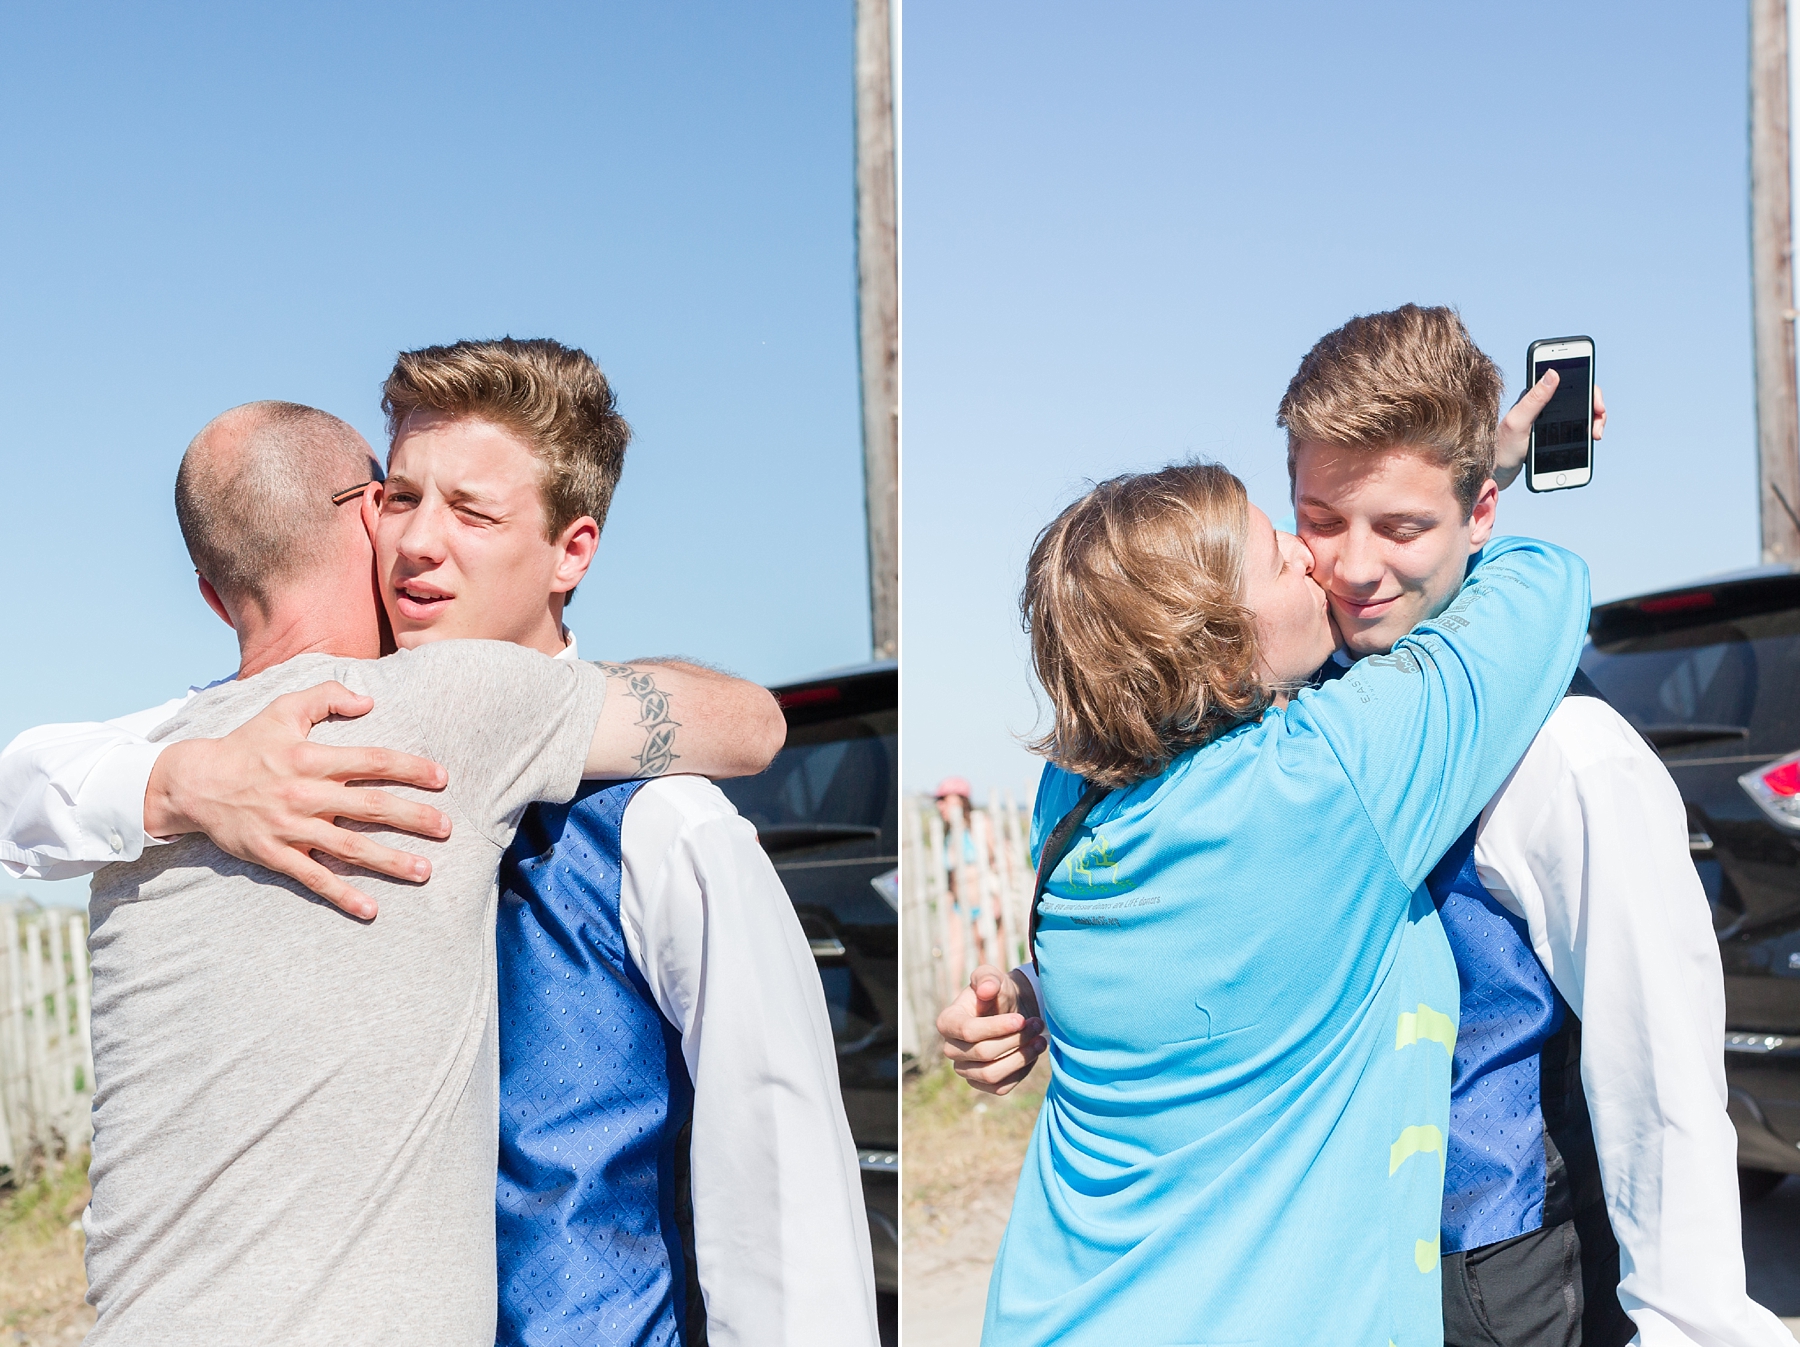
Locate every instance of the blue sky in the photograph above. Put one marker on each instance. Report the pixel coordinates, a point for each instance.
(1125, 224)
(210, 203)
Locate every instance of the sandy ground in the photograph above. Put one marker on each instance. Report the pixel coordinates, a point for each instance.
(962, 1161)
(41, 1279)
(962, 1154)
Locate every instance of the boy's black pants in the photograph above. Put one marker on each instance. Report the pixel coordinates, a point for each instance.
(1555, 1287)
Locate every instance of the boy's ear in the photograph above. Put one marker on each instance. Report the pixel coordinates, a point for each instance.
(371, 507)
(575, 546)
(1481, 518)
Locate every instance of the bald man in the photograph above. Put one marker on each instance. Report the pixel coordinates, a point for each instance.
(295, 1111)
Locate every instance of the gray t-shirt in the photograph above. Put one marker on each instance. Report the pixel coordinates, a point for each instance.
(296, 1113)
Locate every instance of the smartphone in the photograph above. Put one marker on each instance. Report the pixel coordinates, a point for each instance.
(1562, 438)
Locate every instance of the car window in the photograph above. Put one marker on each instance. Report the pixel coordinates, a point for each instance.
(840, 771)
(1729, 686)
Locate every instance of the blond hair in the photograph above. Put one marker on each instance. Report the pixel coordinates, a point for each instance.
(1409, 377)
(1134, 601)
(552, 396)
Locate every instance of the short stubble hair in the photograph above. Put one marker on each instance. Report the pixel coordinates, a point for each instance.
(254, 495)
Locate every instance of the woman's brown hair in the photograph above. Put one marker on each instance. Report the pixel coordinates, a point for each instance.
(1139, 633)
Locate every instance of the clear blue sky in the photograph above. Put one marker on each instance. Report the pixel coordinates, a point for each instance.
(210, 203)
(1125, 224)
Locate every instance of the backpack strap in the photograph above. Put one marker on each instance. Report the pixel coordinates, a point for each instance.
(1056, 846)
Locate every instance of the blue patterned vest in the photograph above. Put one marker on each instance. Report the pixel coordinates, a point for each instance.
(1515, 1069)
(594, 1102)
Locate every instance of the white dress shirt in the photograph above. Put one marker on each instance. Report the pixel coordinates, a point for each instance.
(1587, 841)
(779, 1229)
(780, 1234)
(72, 796)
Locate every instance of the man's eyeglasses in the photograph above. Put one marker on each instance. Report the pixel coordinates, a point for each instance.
(349, 493)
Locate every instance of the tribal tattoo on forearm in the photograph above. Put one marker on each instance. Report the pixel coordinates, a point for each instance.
(658, 755)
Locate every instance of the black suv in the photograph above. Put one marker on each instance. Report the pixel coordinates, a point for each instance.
(828, 812)
(1710, 675)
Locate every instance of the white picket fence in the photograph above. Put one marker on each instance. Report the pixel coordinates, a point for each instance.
(965, 900)
(46, 1043)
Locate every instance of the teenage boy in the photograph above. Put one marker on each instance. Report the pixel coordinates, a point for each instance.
(295, 1113)
(659, 1007)
(1588, 1074)
(663, 1031)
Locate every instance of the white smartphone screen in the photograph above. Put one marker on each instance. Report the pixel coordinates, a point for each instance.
(1560, 434)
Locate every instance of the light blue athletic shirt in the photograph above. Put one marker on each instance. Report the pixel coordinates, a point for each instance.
(1253, 1005)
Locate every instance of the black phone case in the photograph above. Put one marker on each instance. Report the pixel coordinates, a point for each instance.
(1593, 378)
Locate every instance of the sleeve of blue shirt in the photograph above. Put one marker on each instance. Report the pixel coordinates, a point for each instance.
(1428, 733)
(1058, 792)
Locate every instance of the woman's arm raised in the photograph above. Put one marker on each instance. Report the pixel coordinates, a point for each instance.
(1428, 733)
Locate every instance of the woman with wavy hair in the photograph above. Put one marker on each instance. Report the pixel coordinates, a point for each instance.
(1253, 1003)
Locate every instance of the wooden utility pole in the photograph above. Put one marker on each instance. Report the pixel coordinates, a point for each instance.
(1772, 283)
(878, 313)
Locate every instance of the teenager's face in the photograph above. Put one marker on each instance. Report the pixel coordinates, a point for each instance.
(1293, 628)
(1390, 541)
(460, 549)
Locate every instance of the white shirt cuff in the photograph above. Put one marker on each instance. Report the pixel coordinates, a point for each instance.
(112, 800)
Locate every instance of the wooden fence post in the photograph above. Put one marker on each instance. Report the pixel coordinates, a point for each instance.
(40, 1028)
(17, 1074)
(918, 1026)
(84, 992)
(941, 944)
(46, 1054)
(63, 1076)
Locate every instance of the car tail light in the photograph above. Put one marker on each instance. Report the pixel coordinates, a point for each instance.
(809, 696)
(1678, 603)
(1775, 787)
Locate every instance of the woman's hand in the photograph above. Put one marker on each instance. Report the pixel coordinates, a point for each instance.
(991, 1031)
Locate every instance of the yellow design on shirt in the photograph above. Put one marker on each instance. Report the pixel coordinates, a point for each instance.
(1413, 1141)
(1094, 869)
(1425, 1254)
(1425, 1025)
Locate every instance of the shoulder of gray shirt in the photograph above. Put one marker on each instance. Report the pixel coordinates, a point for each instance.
(230, 702)
(507, 717)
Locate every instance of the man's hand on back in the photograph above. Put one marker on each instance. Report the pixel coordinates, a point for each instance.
(266, 794)
(1513, 440)
(991, 1031)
